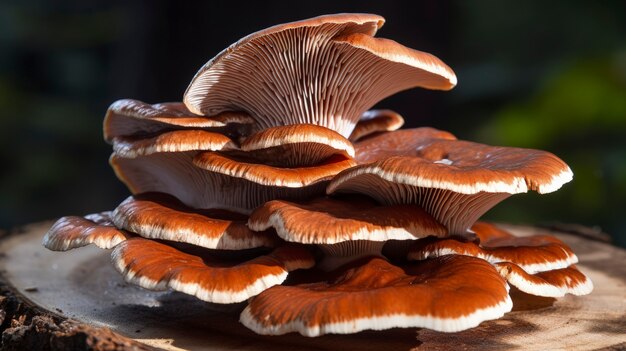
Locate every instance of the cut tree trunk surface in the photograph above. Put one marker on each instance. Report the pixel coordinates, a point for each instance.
(77, 300)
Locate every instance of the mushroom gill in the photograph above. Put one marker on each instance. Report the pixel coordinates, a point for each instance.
(273, 183)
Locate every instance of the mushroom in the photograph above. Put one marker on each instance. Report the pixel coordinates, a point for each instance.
(129, 117)
(263, 131)
(455, 181)
(540, 265)
(327, 71)
(157, 266)
(163, 217)
(448, 294)
(374, 121)
(72, 232)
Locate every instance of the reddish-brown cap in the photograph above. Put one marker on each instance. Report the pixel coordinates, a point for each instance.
(129, 117)
(175, 141)
(447, 294)
(72, 232)
(162, 216)
(537, 253)
(272, 176)
(331, 221)
(375, 121)
(404, 142)
(326, 71)
(295, 145)
(455, 181)
(554, 283)
(157, 266)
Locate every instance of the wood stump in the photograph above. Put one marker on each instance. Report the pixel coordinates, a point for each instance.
(76, 300)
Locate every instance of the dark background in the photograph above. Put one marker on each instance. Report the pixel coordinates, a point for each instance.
(540, 74)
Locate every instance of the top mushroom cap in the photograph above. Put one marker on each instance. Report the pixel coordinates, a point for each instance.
(326, 71)
(128, 117)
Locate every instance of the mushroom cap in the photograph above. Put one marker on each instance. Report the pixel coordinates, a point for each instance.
(175, 174)
(162, 216)
(130, 117)
(448, 294)
(537, 253)
(174, 141)
(455, 181)
(295, 145)
(326, 71)
(343, 220)
(374, 121)
(72, 232)
(404, 142)
(553, 283)
(157, 266)
(272, 176)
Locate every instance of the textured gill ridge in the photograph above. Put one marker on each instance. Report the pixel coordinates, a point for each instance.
(456, 211)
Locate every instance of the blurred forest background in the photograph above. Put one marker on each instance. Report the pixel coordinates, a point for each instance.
(538, 74)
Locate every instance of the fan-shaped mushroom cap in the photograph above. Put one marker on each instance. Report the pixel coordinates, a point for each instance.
(374, 121)
(175, 141)
(295, 145)
(554, 283)
(157, 266)
(538, 253)
(161, 216)
(404, 142)
(129, 117)
(343, 220)
(455, 181)
(272, 176)
(326, 71)
(72, 232)
(447, 294)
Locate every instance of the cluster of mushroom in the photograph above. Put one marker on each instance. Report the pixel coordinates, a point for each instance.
(272, 183)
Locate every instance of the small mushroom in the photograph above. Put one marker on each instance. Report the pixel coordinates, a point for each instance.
(374, 121)
(448, 294)
(455, 181)
(163, 217)
(128, 117)
(72, 232)
(553, 283)
(326, 71)
(175, 141)
(295, 145)
(157, 266)
(540, 265)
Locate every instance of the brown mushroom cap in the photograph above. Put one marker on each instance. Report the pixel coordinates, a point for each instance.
(447, 294)
(374, 121)
(326, 71)
(175, 141)
(343, 220)
(554, 283)
(295, 145)
(404, 142)
(129, 117)
(72, 232)
(538, 253)
(455, 181)
(162, 216)
(272, 176)
(175, 174)
(157, 266)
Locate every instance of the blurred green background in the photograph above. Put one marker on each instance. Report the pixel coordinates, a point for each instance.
(549, 75)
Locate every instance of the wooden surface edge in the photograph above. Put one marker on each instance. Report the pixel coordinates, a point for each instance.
(25, 326)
